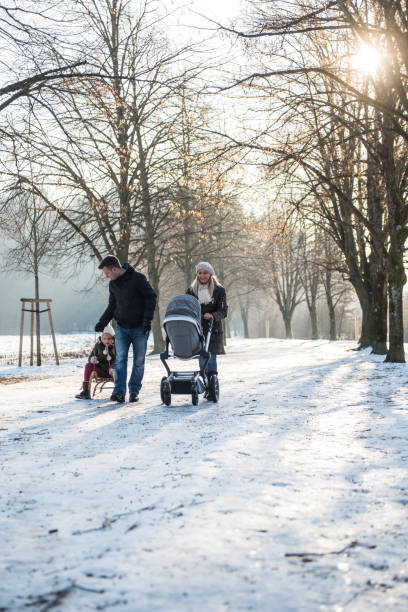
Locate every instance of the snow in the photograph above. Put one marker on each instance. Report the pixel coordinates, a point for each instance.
(290, 494)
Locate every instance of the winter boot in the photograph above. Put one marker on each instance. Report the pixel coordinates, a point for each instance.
(85, 391)
(209, 374)
(117, 397)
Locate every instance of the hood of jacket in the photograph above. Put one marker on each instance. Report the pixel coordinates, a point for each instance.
(128, 271)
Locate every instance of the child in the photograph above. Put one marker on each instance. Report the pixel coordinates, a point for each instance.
(101, 361)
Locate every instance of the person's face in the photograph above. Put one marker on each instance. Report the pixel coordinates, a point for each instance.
(107, 339)
(111, 273)
(203, 276)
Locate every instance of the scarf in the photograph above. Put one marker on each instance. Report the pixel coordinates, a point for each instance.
(203, 294)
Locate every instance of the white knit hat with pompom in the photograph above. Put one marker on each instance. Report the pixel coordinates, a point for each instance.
(108, 330)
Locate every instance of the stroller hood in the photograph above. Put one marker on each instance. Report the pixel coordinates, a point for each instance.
(184, 305)
(182, 325)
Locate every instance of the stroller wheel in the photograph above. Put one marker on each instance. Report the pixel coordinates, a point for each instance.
(165, 391)
(194, 394)
(213, 388)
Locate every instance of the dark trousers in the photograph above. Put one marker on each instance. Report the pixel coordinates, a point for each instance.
(212, 364)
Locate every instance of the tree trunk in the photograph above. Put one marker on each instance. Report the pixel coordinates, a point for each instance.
(374, 317)
(332, 323)
(367, 336)
(244, 317)
(151, 254)
(397, 236)
(37, 292)
(376, 261)
(224, 329)
(313, 320)
(396, 353)
(396, 282)
(227, 330)
(158, 344)
(379, 313)
(187, 272)
(330, 305)
(37, 318)
(287, 319)
(340, 318)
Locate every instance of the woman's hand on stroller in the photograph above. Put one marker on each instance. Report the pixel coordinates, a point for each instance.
(208, 316)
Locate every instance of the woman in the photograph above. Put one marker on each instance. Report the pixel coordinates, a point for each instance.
(212, 297)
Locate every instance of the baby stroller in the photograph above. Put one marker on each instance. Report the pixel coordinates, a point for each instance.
(182, 326)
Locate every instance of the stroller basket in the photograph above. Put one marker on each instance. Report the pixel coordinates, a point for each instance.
(183, 332)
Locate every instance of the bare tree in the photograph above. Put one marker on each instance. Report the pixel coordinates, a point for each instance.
(283, 262)
(333, 276)
(32, 232)
(310, 247)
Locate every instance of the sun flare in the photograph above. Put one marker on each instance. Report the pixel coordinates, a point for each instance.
(366, 59)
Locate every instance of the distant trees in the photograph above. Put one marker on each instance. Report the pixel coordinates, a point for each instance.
(284, 265)
(333, 274)
(310, 245)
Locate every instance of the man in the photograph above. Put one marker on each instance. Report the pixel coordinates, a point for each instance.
(131, 303)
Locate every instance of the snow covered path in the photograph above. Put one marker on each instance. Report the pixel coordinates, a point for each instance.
(290, 494)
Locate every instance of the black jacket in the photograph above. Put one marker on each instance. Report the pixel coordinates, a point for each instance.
(101, 353)
(131, 300)
(219, 309)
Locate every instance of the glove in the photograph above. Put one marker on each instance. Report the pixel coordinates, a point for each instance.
(99, 327)
(146, 326)
(93, 359)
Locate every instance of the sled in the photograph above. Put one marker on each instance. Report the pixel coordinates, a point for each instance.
(98, 384)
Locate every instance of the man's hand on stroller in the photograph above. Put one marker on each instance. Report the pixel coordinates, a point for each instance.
(208, 316)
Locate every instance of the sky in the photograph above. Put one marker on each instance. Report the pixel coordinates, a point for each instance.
(196, 13)
(197, 21)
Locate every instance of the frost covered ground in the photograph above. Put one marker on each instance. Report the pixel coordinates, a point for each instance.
(290, 494)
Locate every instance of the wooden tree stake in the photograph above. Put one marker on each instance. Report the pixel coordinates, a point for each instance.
(35, 305)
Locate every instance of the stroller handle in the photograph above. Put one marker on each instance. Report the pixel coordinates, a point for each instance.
(208, 338)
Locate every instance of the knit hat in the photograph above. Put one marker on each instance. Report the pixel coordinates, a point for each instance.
(204, 265)
(108, 330)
